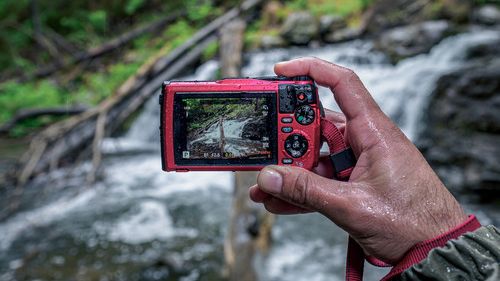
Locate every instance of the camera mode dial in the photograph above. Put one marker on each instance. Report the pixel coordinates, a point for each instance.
(305, 115)
(296, 145)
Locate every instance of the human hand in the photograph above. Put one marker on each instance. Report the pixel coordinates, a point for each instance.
(393, 198)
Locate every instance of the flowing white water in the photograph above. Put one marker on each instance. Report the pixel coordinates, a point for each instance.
(141, 223)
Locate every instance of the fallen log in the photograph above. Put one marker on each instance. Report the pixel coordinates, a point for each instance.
(62, 43)
(69, 137)
(24, 114)
(104, 49)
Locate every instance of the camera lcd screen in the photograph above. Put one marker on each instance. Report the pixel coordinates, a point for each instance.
(225, 128)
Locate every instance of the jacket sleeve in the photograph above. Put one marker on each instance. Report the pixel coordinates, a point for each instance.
(473, 256)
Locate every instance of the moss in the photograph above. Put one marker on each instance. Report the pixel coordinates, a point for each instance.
(325, 7)
(210, 52)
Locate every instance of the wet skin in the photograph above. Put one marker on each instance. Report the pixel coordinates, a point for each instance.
(393, 199)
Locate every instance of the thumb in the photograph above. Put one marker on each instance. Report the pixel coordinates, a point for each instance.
(303, 188)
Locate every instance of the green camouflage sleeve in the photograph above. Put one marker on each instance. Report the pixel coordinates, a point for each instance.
(473, 256)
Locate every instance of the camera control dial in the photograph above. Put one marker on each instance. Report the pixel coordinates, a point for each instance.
(304, 115)
(296, 145)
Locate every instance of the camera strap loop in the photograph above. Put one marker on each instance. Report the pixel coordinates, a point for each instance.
(341, 156)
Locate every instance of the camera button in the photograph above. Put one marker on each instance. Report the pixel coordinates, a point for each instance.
(287, 129)
(296, 145)
(287, 161)
(305, 115)
(287, 119)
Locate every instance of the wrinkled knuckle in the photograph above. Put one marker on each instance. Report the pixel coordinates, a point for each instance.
(351, 75)
(299, 192)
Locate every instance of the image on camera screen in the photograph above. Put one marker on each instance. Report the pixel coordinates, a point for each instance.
(227, 128)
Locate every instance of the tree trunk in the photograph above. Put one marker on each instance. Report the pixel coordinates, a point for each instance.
(222, 142)
(247, 232)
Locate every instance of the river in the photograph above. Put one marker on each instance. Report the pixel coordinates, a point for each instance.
(139, 223)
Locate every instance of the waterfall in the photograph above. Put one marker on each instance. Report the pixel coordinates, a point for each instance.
(400, 90)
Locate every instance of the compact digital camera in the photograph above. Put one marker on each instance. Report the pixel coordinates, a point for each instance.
(240, 124)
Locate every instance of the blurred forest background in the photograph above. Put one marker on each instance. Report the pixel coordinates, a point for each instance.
(82, 195)
(46, 47)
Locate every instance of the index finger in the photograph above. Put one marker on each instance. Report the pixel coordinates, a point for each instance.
(349, 92)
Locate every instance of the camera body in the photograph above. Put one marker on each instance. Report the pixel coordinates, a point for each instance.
(240, 124)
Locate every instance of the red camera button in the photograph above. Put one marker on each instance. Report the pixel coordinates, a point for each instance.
(287, 119)
(287, 161)
(301, 96)
(287, 130)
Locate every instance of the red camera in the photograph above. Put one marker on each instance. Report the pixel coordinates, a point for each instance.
(240, 124)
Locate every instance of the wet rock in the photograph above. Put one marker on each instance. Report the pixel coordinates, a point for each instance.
(342, 35)
(254, 130)
(457, 11)
(271, 14)
(487, 15)
(300, 28)
(462, 138)
(331, 23)
(484, 51)
(272, 41)
(411, 40)
(386, 14)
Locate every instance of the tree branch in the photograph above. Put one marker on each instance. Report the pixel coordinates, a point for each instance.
(37, 112)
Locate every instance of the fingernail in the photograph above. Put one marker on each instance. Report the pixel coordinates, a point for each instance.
(270, 180)
(281, 63)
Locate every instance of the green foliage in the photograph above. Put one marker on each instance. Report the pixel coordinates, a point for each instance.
(201, 11)
(210, 51)
(323, 7)
(98, 86)
(298, 5)
(132, 6)
(84, 27)
(15, 96)
(177, 33)
(98, 20)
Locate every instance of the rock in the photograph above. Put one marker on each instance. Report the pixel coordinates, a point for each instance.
(342, 35)
(271, 14)
(300, 28)
(462, 137)
(385, 14)
(272, 41)
(455, 10)
(484, 51)
(254, 130)
(487, 15)
(411, 40)
(331, 23)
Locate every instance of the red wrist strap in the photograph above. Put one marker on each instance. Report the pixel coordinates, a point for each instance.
(420, 251)
(355, 255)
(338, 150)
